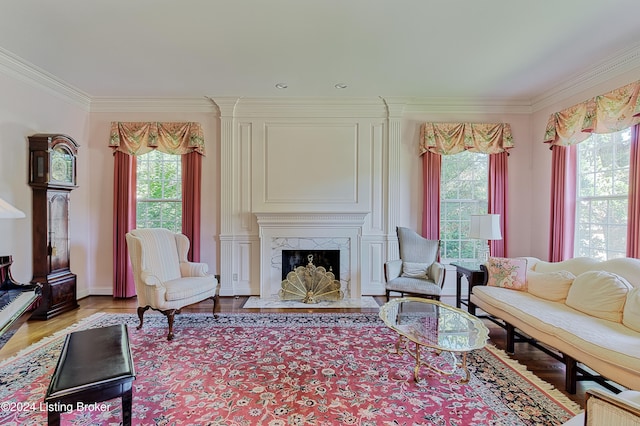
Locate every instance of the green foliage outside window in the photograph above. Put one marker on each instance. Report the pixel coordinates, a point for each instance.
(463, 192)
(602, 195)
(159, 191)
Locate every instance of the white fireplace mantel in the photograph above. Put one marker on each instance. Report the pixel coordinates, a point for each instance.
(310, 230)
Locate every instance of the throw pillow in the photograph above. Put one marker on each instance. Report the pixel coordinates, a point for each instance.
(507, 272)
(552, 286)
(631, 312)
(414, 269)
(600, 294)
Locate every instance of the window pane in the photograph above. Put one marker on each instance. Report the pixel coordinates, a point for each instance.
(602, 195)
(159, 191)
(463, 192)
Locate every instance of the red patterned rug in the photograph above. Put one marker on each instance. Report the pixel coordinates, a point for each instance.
(285, 369)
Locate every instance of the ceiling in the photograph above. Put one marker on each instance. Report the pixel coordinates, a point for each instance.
(502, 49)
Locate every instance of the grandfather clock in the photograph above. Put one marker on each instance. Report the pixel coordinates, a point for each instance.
(52, 177)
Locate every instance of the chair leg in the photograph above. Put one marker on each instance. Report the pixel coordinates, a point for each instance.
(141, 312)
(216, 302)
(170, 313)
(388, 294)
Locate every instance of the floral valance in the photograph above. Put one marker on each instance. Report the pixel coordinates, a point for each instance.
(137, 138)
(452, 138)
(608, 113)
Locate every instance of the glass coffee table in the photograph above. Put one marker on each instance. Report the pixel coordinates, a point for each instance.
(436, 326)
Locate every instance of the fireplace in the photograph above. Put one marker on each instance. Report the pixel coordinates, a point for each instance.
(304, 232)
(329, 259)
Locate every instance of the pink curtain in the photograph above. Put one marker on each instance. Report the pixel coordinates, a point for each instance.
(563, 202)
(128, 139)
(452, 138)
(431, 201)
(124, 220)
(191, 202)
(607, 113)
(633, 224)
(438, 139)
(498, 200)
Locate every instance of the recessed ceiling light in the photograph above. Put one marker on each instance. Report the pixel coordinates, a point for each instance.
(281, 86)
(340, 86)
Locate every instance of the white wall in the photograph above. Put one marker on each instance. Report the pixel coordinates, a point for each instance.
(101, 196)
(387, 175)
(519, 197)
(541, 158)
(301, 156)
(27, 109)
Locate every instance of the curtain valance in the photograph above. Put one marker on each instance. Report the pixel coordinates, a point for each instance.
(452, 138)
(608, 113)
(137, 138)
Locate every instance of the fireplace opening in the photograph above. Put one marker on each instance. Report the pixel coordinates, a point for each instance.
(329, 259)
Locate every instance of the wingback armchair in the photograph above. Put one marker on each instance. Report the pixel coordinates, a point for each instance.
(417, 272)
(165, 280)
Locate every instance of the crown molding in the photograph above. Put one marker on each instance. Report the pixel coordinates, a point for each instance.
(305, 107)
(16, 67)
(150, 104)
(623, 61)
(463, 105)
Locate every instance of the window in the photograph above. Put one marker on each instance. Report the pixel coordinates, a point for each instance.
(159, 191)
(463, 192)
(602, 195)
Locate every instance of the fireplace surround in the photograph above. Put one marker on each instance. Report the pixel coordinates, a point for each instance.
(310, 231)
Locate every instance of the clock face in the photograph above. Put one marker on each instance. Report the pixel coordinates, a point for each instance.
(61, 165)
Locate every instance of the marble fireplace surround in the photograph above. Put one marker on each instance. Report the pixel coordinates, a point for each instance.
(310, 231)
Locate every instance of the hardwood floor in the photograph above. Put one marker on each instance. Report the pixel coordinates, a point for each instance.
(28, 332)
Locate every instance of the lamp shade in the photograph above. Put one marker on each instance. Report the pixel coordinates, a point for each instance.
(485, 227)
(7, 211)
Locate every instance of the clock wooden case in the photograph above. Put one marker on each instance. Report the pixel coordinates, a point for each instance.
(52, 177)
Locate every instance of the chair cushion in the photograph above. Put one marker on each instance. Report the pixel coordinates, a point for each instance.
(184, 288)
(415, 270)
(416, 249)
(160, 253)
(414, 286)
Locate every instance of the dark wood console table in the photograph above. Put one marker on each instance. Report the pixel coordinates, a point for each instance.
(475, 274)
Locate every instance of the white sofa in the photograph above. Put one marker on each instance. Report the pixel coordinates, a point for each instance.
(610, 347)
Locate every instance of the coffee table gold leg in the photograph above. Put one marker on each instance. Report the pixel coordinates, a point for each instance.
(398, 343)
(463, 364)
(416, 370)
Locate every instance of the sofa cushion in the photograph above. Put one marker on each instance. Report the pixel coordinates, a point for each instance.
(415, 269)
(507, 272)
(550, 285)
(600, 294)
(631, 312)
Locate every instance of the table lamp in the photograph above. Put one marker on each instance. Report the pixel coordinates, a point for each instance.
(485, 227)
(7, 211)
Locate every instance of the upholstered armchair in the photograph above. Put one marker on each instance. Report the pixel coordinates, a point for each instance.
(603, 408)
(417, 272)
(165, 280)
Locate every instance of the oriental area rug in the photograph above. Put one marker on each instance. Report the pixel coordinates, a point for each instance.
(284, 369)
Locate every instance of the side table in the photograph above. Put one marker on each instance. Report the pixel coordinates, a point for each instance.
(475, 275)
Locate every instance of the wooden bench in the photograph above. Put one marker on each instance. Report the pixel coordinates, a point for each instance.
(95, 365)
